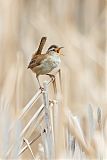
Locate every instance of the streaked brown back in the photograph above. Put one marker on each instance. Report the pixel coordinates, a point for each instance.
(37, 60)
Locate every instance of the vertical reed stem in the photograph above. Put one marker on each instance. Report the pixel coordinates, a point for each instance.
(48, 136)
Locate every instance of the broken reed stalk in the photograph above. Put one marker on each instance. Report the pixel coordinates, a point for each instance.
(29, 147)
(30, 143)
(74, 135)
(26, 108)
(27, 126)
(47, 136)
(24, 111)
(29, 105)
(34, 118)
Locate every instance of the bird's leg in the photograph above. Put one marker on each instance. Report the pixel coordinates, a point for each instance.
(51, 76)
(53, 81)
(39, 84)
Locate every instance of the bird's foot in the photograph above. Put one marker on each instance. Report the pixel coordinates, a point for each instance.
(41, 88)
(51, 102)
(51, 76)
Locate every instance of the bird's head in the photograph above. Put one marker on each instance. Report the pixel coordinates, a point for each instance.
(55, 48)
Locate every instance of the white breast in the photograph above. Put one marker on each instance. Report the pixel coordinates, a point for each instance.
(55, 59)
(50, 63)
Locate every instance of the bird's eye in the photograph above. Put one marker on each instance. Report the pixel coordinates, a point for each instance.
(52, 49)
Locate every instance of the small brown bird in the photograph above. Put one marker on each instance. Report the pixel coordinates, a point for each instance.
(43, 64)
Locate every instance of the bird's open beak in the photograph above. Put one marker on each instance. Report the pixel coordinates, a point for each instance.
(58, 50)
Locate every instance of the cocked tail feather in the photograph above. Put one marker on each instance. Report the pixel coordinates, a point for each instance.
(41, 45)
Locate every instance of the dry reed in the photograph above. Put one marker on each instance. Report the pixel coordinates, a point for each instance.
(44, 120)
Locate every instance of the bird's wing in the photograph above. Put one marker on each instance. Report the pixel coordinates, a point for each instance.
(37, 60)
(40, 48)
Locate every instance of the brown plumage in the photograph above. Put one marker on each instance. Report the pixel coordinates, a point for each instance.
(44, 63)
(36, 60)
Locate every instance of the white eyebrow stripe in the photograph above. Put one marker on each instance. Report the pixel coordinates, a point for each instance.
(52, 49)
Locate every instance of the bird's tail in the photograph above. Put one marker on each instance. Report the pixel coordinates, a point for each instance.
(41, 45)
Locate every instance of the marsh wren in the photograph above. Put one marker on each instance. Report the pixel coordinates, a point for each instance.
(43, 64)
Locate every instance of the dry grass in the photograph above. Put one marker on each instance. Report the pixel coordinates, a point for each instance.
(37, 125)
(61, 134)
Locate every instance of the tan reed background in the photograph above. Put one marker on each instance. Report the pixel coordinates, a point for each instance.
(78, 25)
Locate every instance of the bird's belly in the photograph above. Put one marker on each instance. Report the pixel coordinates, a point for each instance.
(49, 64)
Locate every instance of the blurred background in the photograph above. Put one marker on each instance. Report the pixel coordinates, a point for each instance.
(78, 25)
